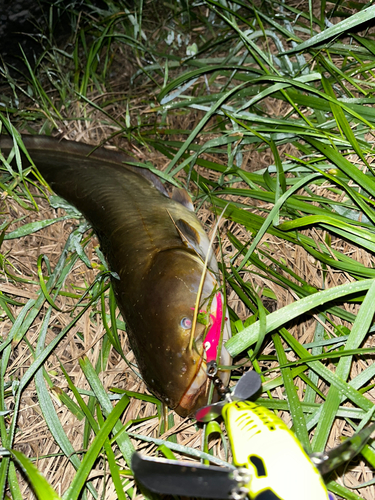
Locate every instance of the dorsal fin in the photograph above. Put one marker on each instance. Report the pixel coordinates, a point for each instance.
(181, 196)
(194, 240)
(190, 234)
(151, 177)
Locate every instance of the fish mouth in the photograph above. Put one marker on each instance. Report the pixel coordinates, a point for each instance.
(196, 394)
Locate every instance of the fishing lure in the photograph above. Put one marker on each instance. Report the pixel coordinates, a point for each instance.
(270, 462)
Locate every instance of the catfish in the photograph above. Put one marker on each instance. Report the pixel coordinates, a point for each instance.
(156, 246)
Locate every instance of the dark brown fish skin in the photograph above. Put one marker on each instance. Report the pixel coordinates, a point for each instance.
(158, 275)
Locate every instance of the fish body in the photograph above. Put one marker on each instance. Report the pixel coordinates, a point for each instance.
(156, 246)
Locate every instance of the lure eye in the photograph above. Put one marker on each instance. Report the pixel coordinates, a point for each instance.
(186, 323)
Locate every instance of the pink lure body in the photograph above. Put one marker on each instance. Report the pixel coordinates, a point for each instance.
(211, 341)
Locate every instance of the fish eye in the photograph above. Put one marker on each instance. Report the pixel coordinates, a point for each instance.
(186, 323)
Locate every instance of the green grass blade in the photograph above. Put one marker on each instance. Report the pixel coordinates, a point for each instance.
(334, 397)
(42, 488)
(346, 390)
(343, 164)
(123, 440)
(272, 215)
(13, 483)
(113, 467)
(340, 28)
(92, 453)
(298, 418)
(33, 227)
(249, 335)
(181, 449)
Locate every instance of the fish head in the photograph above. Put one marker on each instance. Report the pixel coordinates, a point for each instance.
(172, 370)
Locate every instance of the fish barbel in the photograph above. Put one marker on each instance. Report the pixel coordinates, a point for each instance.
(157, 247)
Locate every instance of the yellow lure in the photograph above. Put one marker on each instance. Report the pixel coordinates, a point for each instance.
(278, 466)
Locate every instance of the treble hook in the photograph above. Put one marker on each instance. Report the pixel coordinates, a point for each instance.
(211, 371)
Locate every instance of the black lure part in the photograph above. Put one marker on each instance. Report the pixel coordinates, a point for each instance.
(170, 477)
(330, 460)
(248, 385)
